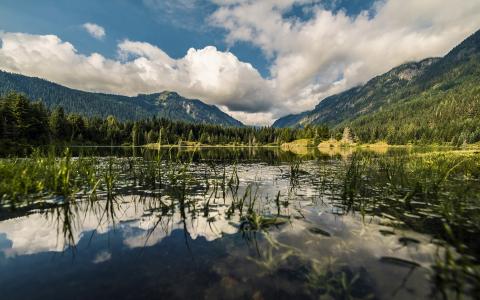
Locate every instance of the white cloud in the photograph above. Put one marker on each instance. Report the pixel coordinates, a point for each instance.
(208, 74)
(257, 118)
(311, 59)
(332, 52)
(95, 30)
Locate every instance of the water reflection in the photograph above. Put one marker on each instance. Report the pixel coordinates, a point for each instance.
(357, 226)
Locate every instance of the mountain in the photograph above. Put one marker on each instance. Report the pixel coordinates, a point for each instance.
(435, 100)
(360, 100)
(166, 104)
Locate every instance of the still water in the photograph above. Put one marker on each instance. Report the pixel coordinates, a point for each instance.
(252, 224)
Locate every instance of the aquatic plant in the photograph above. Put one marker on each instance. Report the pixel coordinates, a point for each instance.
(255, 222)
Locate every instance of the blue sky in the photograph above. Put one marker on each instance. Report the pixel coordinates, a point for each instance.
(299, 50)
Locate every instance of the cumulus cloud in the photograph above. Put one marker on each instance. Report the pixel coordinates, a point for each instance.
(94, 30)
(257, 118)
(208, 74)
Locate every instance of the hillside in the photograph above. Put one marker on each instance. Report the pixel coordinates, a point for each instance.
(435, 100)
(379, 91)
(167, 104)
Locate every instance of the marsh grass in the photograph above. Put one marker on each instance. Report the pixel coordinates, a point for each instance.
(26, 180)
(423, 193)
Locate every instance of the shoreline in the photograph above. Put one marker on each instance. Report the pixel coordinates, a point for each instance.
(302, 144)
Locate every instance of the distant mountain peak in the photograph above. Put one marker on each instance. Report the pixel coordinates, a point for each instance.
(411, 70)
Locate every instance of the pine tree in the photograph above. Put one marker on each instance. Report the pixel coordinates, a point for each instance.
(58, 124)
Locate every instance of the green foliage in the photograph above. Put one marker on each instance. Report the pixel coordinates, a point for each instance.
(27, 180)
(29, 124)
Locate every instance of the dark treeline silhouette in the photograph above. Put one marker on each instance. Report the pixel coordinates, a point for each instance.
(24, 123)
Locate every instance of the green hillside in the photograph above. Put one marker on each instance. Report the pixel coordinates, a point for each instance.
(167, 104)
(378, 92)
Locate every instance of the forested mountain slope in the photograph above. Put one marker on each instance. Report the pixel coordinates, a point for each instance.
(167, 104)
(381, 90)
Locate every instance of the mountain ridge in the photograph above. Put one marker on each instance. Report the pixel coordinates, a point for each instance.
(174, 106)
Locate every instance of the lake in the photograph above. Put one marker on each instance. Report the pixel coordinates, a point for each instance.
(243, 223)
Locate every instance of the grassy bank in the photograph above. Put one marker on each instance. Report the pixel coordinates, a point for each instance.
(200, 145)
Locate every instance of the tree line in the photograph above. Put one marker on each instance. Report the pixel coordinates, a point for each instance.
(24, 123)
